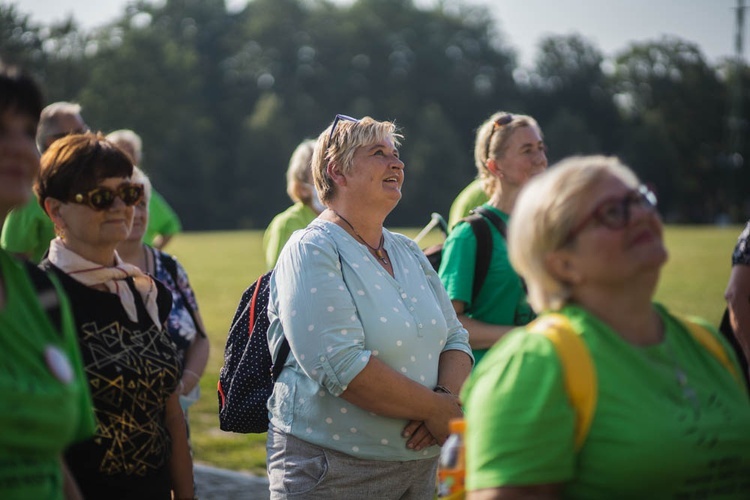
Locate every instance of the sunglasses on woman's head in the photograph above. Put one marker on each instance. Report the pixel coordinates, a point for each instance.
(500, 122)
(102, 198)
(336, 122)
(614, 213)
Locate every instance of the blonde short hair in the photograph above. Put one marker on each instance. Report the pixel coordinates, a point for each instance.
(347, 137)
(545, 213)
(298, 171)
(492, 141)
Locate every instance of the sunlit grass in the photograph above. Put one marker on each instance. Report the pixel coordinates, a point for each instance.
(222, 264)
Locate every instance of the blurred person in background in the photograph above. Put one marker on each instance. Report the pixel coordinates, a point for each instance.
(469, 198)
(140, 449)
(307, 205)
(28, 230)
(671, 417)
(163, 221)
(184, 323)
(508, 152)
(44, 399)
(377, 353)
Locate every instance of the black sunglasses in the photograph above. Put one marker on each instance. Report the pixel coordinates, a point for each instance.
(500, 122)
(336, 122)
(102, 198)
(614, 213)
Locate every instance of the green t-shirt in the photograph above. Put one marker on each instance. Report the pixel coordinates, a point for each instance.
(298, 216)
(28, 230)
(651, 435)
(471, 197)
(41, 411)
(162, 220)
(502, 299)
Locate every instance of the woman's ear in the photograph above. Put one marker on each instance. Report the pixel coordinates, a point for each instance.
(53, 207)
(561, 265)
(334, 172)
(493, 167)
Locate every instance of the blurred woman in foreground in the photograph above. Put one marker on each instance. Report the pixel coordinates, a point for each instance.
(671, 419)
(44, 400)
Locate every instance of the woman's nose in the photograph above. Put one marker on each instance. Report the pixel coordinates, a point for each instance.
(541, 157)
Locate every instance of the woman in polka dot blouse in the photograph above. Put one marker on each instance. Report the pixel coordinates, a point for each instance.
(377, 353)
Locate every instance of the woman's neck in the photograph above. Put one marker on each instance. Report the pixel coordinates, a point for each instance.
(104, 256)
(504, 199)
(368, 226)
(133, 252)
(627, 309)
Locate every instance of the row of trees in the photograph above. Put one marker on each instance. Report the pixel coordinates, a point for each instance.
(221, 99)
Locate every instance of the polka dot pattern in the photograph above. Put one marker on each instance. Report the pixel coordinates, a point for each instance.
(245, 382)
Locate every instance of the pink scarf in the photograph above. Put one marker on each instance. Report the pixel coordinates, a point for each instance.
(91, 274)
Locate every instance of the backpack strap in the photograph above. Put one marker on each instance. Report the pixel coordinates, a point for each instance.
(501, 226)
(578, 369)
(46, 294)
(262, 284)
(495, 219)
(484, 251)
(170, 264)
(711, 344)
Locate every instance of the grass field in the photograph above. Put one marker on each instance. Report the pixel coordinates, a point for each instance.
(222, 264)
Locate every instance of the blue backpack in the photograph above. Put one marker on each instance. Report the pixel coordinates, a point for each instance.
(247, 377)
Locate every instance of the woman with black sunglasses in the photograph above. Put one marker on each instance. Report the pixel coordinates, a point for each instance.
(662, 411)
(140, 448)
(377, 353)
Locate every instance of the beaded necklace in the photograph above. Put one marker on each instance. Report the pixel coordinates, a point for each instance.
(379, 252)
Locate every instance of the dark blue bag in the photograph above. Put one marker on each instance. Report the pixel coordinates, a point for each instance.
(247, 377)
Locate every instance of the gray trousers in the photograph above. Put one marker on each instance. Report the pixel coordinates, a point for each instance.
(298, 469)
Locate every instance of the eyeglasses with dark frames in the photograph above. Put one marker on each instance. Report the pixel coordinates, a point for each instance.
(102, 198)
(614, 213)
(336, 122)
(500, 122)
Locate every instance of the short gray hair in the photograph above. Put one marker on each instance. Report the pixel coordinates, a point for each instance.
(299, 171)
(140, 177)
(128, 138)
(49, 117)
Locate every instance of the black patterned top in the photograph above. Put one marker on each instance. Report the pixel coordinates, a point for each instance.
(132, 369)
(741, 254)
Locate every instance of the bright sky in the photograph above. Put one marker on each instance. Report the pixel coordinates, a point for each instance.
(610, 24)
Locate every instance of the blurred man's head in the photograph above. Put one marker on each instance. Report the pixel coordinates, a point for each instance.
(58, 120)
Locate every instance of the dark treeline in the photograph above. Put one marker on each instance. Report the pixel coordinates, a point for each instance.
(221, 99)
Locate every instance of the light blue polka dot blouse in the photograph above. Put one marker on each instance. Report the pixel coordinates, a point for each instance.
(338, 306)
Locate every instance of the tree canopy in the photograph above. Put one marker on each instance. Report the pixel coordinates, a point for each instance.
(221, 99)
